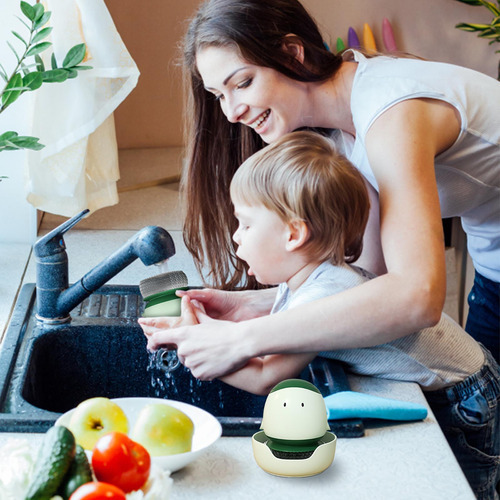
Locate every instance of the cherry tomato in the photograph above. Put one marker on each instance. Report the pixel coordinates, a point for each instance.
(98, 491)
(118, 460)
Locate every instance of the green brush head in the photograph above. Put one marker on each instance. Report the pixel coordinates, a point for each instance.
(158, 293)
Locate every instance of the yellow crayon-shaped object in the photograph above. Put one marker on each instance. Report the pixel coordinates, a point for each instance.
(368, 39)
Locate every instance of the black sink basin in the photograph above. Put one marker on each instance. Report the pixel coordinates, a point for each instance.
(47, 370)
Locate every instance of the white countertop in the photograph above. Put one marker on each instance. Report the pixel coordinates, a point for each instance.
(409, 461)
(400, 461)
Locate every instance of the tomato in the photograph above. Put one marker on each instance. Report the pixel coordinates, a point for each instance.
(118, 460)
(98, 491)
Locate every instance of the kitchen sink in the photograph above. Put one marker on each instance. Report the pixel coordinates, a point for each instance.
(46, 370)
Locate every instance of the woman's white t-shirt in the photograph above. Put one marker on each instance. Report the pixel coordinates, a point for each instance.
(468, 173)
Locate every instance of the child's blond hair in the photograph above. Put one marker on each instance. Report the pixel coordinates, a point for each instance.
(302, 176)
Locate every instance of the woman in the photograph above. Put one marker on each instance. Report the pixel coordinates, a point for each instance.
(425, 135)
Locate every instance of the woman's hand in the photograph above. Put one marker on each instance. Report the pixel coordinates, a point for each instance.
(232, 306)
(209, 347)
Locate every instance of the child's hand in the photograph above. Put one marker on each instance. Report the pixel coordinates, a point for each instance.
(188, 317)
(189, 309)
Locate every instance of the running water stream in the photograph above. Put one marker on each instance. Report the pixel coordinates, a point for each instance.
(165, 368)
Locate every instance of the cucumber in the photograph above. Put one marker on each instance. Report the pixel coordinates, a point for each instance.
(79, 473)
(54, 459)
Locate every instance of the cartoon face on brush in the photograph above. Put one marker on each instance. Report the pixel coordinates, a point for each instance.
(295, 411)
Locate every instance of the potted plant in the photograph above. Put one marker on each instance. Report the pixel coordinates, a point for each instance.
(490, 31)
(30, 72)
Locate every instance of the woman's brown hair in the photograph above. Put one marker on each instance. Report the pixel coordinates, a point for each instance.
(216, 147)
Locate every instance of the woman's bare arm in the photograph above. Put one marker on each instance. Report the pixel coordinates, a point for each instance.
(372, 257)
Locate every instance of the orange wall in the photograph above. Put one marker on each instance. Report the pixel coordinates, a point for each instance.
(152, 115)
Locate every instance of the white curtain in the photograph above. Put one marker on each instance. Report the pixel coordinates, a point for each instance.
(78, 168)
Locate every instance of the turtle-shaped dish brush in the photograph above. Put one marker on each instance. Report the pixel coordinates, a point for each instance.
(159, 295)
(295, 438)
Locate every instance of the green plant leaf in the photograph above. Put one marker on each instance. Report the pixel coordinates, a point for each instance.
(471, 2)
(43, 33)
(21, 89)
(40, 66)
(24, 68)
(72, 73)
(11, 91)
(6, 136)
(28, 68)
(42, 21)
(14, 50)
(82, 68)
(53, 61)
(3, 73)
(27, 142)
(17, 35)
(36, 49)
(26, 24)
(488, 34)
(7, 146)
(20, 142)
(12, 140)
(28, 11)
(33, 80)
(478, 27)
(493, 8)
(55, 75)
(15, 81)
(74, 56)
(39, 10)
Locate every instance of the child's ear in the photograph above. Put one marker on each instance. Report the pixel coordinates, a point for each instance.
(298, 235)
(293, 46)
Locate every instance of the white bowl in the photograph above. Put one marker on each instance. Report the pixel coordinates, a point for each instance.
(207, 428)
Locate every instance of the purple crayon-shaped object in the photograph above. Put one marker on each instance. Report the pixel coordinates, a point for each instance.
(352, 39)
(388, 36)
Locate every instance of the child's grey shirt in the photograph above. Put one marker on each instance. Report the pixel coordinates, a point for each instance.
(434, 357)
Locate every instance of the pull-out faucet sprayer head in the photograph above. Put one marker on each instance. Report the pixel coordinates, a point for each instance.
(55, 299)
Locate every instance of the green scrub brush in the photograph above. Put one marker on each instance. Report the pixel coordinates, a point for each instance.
(158, 293)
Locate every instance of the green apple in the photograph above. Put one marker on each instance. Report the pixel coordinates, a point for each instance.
(163, 430)
(95, 417)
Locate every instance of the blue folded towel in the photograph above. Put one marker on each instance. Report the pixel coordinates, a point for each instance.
(349, 404)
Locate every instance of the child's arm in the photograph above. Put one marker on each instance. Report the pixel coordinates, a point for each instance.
(260, 375)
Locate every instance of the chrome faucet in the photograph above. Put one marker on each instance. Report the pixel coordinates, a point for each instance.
(55, 298)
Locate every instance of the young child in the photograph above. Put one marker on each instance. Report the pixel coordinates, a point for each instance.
(302, 210)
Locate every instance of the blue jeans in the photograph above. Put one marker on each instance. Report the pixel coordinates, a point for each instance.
(469, 416)
(483, 320)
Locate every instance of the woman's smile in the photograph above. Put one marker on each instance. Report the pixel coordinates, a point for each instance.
(261, 98)
(259, 121)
